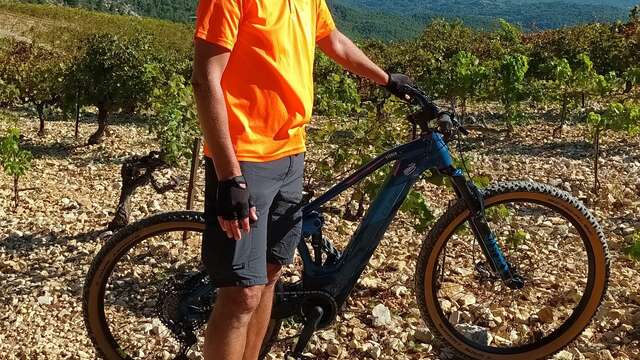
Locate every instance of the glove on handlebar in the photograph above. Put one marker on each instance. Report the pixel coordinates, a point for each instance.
(397, 84)
(233, 199)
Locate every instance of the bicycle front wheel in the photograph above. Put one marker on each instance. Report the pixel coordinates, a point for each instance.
(146, 288)
(550, 239)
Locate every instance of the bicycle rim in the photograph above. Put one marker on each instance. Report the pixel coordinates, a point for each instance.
(481, 318)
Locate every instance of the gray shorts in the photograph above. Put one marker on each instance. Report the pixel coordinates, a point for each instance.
(276, 188)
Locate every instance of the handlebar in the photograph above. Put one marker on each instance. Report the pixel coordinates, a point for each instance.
(447, 124)
(419, 97)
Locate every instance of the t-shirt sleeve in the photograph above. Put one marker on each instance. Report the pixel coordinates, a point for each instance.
(217, 21)
(324, 21)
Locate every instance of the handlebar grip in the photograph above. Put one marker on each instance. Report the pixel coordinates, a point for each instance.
(429, 109)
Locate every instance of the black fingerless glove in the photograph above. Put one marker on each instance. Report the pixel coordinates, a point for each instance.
(233, 199)
(396, 85)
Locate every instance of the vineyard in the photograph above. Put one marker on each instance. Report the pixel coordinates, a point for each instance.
(98, 124)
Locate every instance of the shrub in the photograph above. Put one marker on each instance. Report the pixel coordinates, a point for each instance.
(14, 160)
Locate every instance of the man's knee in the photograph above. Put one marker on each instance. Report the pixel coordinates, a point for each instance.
(241, 300)
(273, 273)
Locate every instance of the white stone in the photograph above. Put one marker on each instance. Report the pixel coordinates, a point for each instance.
(45, 300)
(563, 355)
(381, 316)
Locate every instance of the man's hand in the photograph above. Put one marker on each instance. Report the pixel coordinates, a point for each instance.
(234, 207)
(396, 85)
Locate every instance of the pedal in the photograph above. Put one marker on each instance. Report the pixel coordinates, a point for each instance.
(311, 325)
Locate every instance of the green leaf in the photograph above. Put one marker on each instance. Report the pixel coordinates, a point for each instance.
(633, 250)
(14, 160)
(416, 205)
(517, 238)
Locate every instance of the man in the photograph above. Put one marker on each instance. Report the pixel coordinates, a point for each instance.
(253, 83)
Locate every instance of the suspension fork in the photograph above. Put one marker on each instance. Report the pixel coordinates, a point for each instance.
(469, 193)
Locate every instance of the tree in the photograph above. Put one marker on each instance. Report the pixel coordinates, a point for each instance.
(585, 77)
(114, 73)
(464, 79)
(510, 87)
(443, 39)
(388, 56)
(510, 37)
(14, 160)
(572, 85)
(348, 143)
(562, 86)
(427, 56)
(617, 117)
(36, 74)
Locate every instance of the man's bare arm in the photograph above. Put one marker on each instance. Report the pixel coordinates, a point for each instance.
(343, 51)
(209, 63)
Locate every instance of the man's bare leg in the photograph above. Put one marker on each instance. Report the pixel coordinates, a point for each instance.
(226, 333)
(261, 317)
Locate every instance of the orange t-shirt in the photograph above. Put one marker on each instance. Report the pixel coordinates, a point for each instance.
(268, 82)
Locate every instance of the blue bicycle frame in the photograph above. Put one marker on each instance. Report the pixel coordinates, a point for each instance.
(430, 151)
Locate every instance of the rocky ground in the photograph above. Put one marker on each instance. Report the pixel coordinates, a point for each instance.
(48, 242)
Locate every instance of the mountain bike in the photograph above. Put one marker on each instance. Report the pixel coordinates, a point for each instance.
(513, 271)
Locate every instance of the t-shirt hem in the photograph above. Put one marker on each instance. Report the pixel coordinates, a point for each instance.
(253, 158)
(326, 33)
(214, 40)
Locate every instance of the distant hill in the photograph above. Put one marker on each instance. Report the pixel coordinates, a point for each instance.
(414, 6)
(399, 19)
(175, 10)
(529, 14)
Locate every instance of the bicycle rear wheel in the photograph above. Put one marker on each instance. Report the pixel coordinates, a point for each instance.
(133, 289)
(551, 240)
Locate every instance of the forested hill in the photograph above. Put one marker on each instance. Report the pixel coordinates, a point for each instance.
(400, 19)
